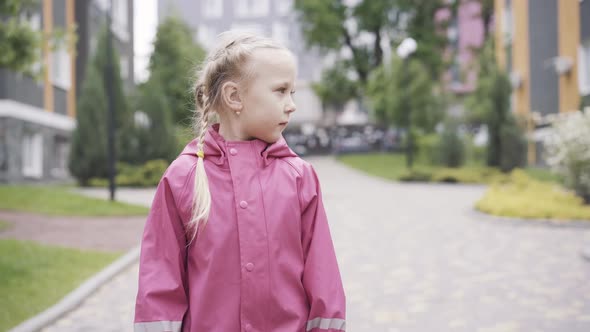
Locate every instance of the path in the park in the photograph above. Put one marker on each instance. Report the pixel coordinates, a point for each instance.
(415, 257)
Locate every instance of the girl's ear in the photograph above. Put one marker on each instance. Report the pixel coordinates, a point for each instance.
(231, 96)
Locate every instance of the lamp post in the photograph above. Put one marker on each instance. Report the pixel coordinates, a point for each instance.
(404, 50)
(111, 105)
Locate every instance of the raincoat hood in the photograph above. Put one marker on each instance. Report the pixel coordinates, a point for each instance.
(216, 148)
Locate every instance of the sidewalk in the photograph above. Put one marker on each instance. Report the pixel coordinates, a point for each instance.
(111, 234)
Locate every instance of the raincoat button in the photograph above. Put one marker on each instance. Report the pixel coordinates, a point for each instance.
(248, 328)
(243, 204)
(233, 151)
(249, 267)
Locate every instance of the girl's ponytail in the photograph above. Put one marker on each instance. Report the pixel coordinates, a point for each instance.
(202, 196)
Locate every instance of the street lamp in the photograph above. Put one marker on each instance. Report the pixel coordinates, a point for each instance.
(111, 104)
(404, 50)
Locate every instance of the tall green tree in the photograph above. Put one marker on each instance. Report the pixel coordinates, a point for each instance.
(405, 96)
(154, 136)
(336, 87)
(490, 105)
(88, 154)
(88, 157)
(331, 25)
(173, 62)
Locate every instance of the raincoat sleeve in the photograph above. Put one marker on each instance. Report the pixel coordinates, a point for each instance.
(162, 291)
(321, 276)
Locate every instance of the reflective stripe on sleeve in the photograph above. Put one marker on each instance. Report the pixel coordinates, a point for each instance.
(327, 323)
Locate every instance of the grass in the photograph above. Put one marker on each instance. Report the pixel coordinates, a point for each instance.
(33, 277)
(534, 193)
(4, 225)
(385, 165)
(393, 167)
(525, 197)
(55, 200)
(543, 174)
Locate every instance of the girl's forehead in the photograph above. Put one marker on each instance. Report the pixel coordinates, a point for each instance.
(273, 62)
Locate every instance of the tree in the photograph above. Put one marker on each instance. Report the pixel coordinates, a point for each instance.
(331, 25)
(172, 62)
(20, 43)
(389, 85)
(490, 105)
(91, 130)
(88, 155)
(154, 136)
(335, 87)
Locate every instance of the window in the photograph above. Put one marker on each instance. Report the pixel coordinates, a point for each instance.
(253, 28)
(212, 8)
(32, 155)
(61, 150)
(251, 8)
(206, 35)
(60, 67)
(280, 33)
(283, 7)
(584, 68)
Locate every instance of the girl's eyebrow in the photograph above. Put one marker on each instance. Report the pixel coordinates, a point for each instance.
(283, 83)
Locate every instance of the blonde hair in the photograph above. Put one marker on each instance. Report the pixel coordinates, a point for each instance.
(224, 62)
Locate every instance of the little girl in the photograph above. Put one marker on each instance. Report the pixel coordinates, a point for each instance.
(237, 237)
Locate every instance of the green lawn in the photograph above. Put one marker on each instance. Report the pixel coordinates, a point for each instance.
(393, 167)
(3, 225)
(33, 277)
(530, 193)
(55, 200)
(385, 165)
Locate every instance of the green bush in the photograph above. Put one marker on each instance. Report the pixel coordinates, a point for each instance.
(474, 155)
(467, 175)
(427, 146)
(514, 146)
(147, 175)
(416, 175)
(451, 150)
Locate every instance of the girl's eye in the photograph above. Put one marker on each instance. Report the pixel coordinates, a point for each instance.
(293, 92)
(282, 90)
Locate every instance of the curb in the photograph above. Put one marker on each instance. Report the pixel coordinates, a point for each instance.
(76, 297)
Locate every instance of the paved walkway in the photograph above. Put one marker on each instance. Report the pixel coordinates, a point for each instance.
(415, 257)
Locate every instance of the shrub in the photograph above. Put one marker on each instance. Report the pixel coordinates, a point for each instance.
(451, 150)
(417, 175)
(567, 151)
(525, 197)
(147, 175)
(427, 146)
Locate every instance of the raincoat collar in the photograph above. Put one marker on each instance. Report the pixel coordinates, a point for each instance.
(216, 148)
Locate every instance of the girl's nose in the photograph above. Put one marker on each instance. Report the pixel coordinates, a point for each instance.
(291, 108)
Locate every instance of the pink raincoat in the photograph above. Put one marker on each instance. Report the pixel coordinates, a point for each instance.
(265, 260)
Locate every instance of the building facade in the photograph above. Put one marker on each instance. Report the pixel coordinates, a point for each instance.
(275, 19)
(37, 116)
(545, 47)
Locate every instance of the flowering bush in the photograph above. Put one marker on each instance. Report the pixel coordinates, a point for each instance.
(567, 151)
